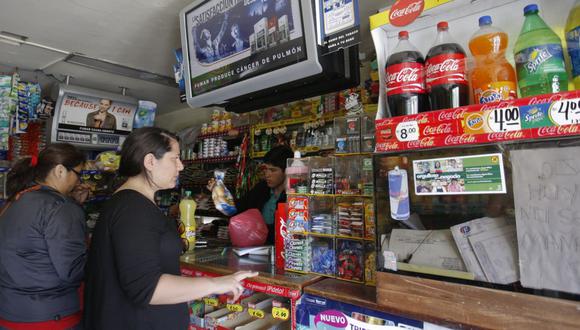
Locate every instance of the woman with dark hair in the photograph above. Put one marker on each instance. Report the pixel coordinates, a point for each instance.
(133, 275)
(42, 241)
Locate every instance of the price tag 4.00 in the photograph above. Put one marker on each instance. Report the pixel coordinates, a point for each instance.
(504, 119)
(565, 112)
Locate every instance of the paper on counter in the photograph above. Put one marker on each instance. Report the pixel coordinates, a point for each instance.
(547, 206)
(463, 231)
(434, 248)
(496, 251)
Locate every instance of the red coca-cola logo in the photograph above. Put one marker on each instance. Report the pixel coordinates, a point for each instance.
(421, 118)
(503, 136)
(445, 128)
(385, 122)
(387, 146)
(445, 69)
(545, 99)
(558, 130)
(404, 12)
(455, 114)
(459, 139)
(425, 142)
(493, 106)
(547, 131)
(405, 77)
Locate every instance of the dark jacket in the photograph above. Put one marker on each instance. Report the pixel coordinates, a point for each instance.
(42, 257)
(255, 199)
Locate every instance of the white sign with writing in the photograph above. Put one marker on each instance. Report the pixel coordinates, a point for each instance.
(547, 206)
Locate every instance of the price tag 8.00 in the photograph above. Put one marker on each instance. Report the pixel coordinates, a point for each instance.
(407, 131)
(280, 313)
(565, 112)
(504, 119)
(256, 313)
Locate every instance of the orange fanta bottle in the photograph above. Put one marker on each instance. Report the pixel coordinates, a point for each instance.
(493, 78)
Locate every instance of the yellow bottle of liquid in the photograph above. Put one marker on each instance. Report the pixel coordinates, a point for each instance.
(187, 210)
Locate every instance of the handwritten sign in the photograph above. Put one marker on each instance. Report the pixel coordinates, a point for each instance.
(547, 206)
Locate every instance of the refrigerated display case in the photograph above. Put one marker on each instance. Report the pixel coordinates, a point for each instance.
(476, 205)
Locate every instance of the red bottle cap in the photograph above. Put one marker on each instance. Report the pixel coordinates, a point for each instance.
(404, 35)
(442, 25)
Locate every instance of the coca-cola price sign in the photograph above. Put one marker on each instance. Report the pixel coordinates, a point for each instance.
(504, 119)
(407, 131)
(565, 112)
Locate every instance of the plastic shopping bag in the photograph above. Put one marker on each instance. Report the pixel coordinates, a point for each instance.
(248, 229)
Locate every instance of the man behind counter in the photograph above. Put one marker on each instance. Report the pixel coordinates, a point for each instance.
(270, 191)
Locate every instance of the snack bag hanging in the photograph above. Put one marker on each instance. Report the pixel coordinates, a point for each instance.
(222, 198)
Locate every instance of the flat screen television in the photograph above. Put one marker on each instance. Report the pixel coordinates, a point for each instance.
(246, 54)
(91, 119)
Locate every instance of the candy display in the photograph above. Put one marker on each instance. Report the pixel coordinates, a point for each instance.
(370, 229)
(298, 216)
(323, 259)
(322, 216)
(350, 260)
(350, 218)
(297, 254)
(370, 263)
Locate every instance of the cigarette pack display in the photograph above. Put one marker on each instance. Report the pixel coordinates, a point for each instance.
(350, 260)
(323, 260)
(350, 215)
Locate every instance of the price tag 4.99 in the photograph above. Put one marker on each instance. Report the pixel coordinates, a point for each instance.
(565, 112)
(504, 119)
(407, 131)
(280, 313)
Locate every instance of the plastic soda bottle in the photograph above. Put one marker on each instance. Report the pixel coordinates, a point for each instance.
(573, 41)
(187, 210)
(493, 78)
(539, 57)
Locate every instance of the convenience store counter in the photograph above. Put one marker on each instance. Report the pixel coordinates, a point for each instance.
(223, 261)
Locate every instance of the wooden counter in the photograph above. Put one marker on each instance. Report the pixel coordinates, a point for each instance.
(218, 262)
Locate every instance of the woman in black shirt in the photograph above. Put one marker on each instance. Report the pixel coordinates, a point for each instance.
(133, 277)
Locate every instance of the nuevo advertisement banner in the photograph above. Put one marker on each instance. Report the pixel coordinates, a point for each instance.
(481, 174)
(233, 40)
(94, 114)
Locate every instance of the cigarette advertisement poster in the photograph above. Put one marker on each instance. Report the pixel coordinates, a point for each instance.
(95, 114)
(481, 174)
(340, 24)
(233, 40)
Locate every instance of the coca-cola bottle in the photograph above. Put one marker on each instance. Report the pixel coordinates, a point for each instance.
(405, 72)
(445, 79)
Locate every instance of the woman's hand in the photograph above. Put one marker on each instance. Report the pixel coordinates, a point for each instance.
(231, 283)
(210, 184)
(81, 192)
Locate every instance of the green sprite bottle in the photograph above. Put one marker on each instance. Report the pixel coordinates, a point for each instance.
(539, 57)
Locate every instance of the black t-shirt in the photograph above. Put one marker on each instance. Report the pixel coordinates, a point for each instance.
(132, 246)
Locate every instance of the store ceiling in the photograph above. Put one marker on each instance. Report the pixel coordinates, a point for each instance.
(140, 34)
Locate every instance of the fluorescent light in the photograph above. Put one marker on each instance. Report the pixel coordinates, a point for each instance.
(9, 41)
(118, 69)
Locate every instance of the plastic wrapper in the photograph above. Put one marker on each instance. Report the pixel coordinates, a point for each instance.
(222, 198)
(248, 229)
(108, 161)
